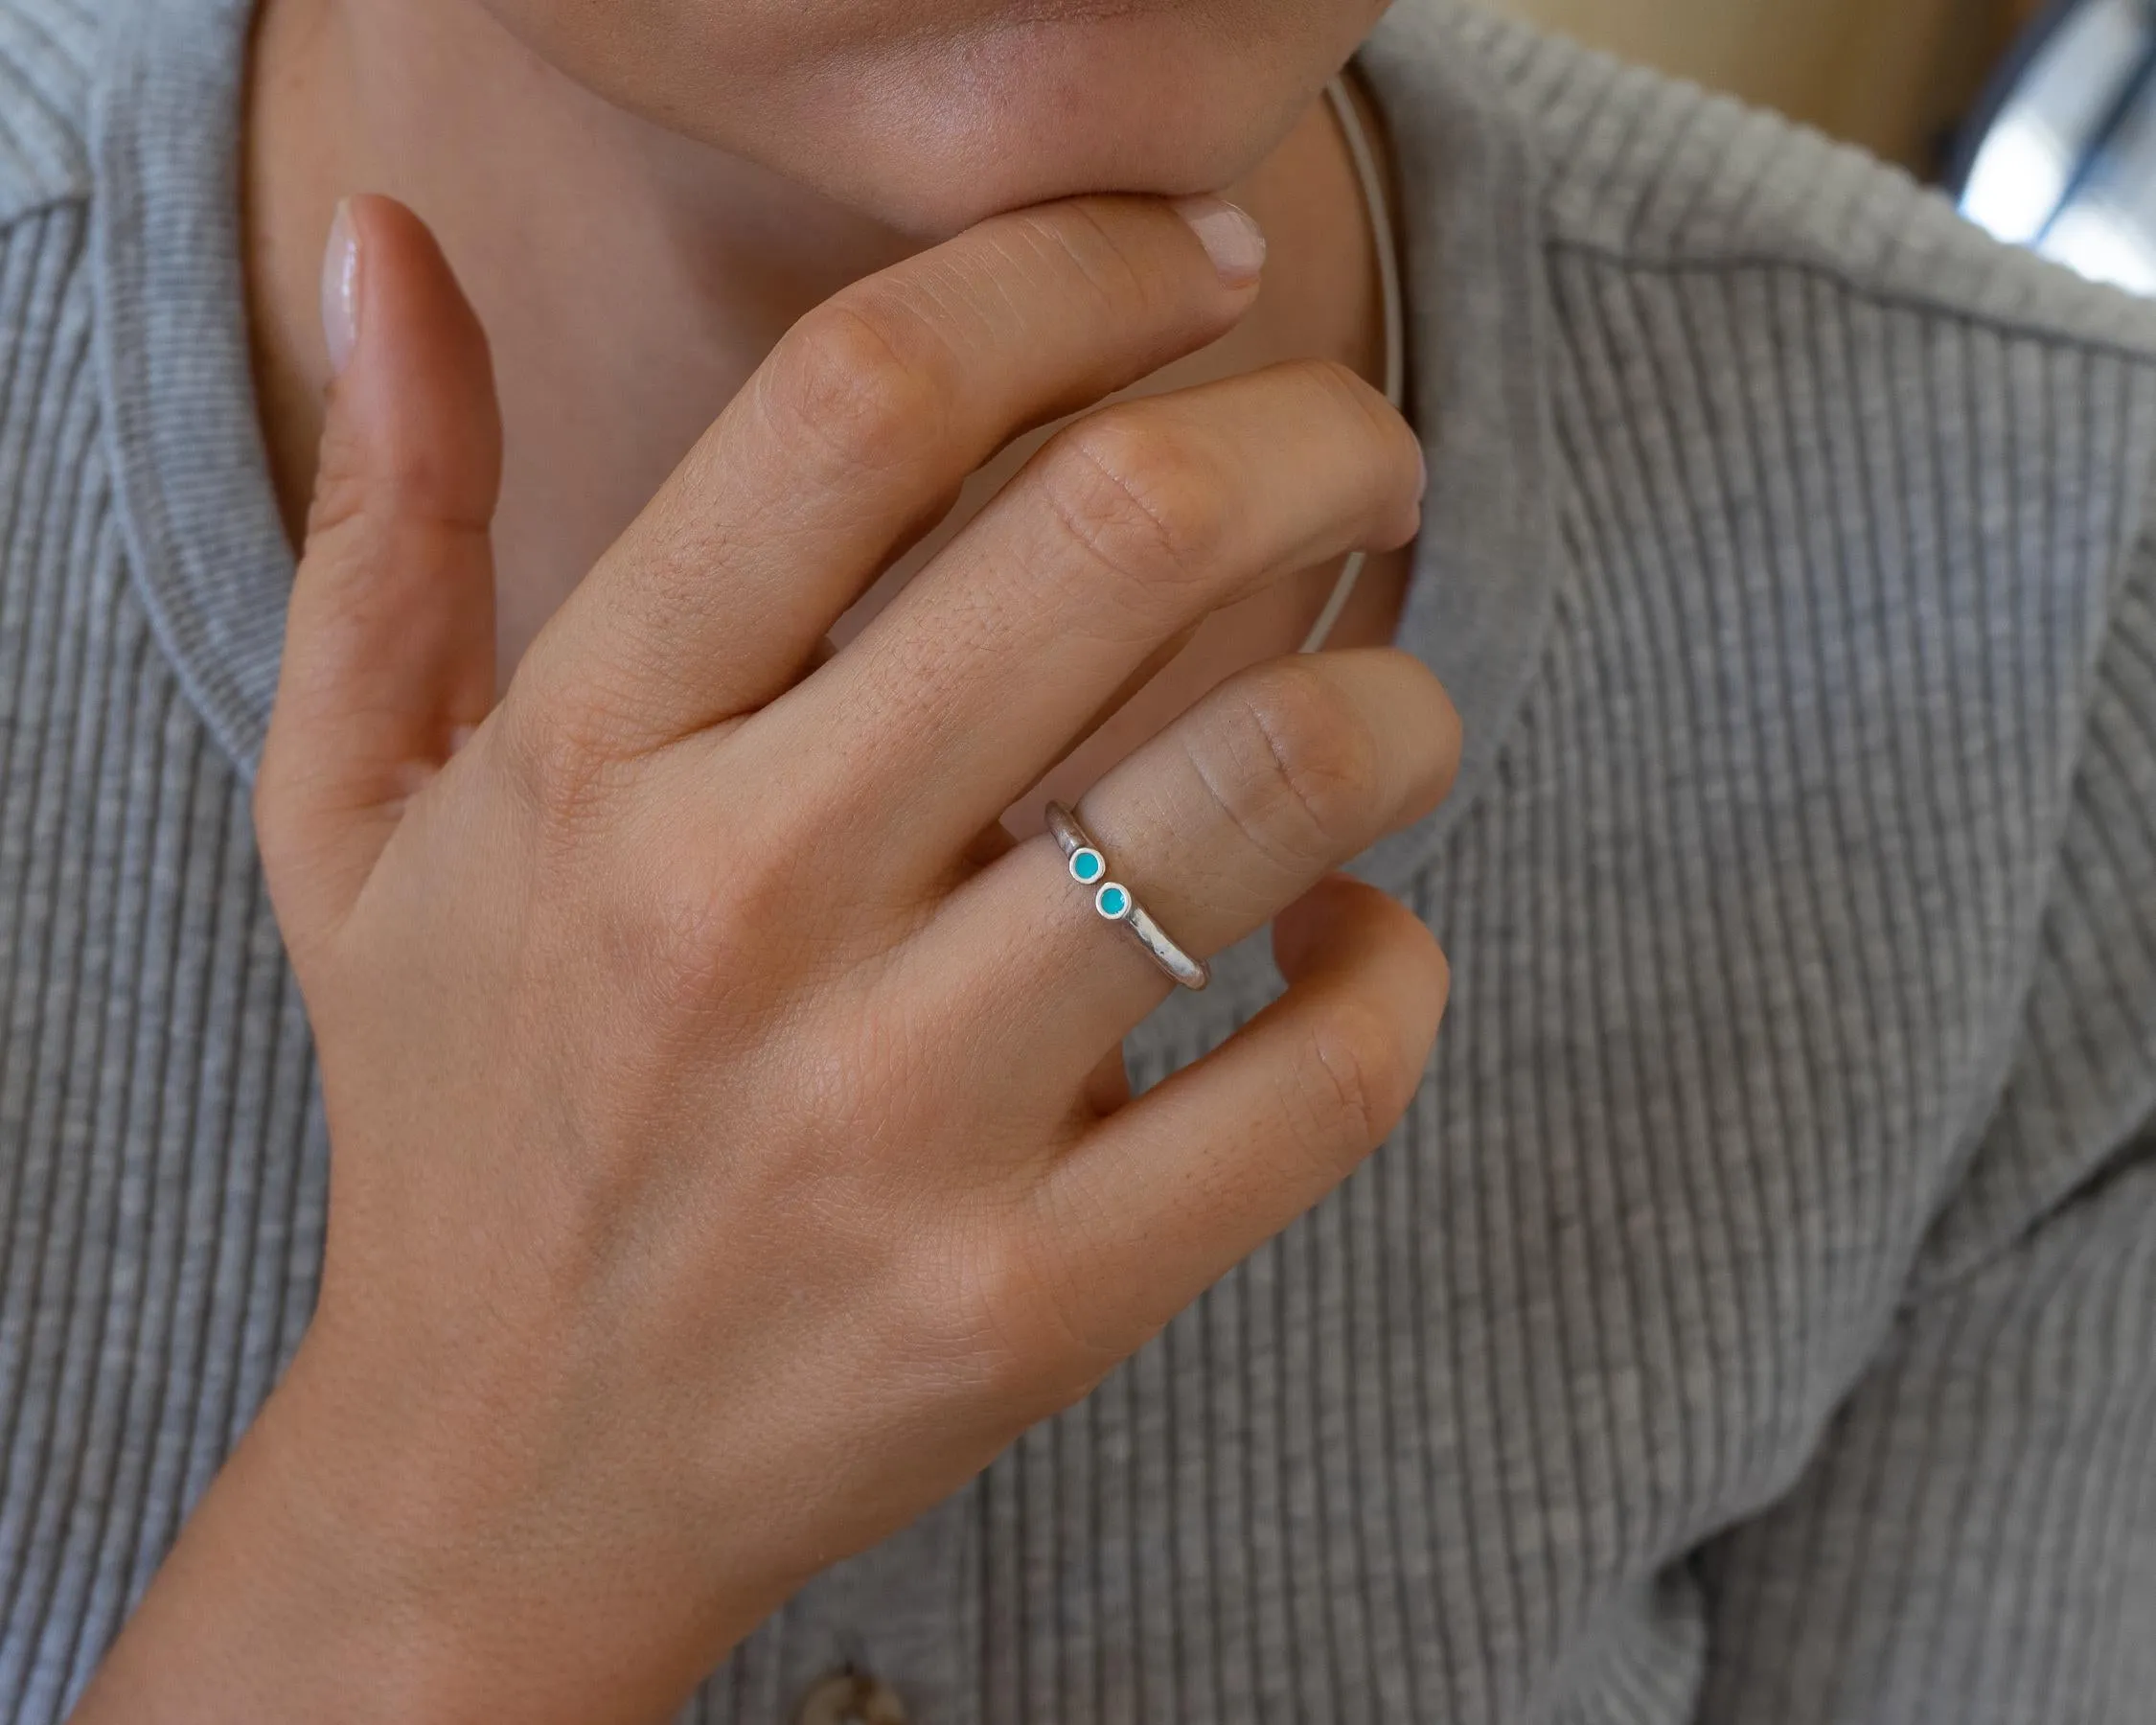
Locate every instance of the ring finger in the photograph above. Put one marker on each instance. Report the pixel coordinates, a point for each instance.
(1233, 813)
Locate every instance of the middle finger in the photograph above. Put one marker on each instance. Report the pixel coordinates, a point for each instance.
(1233, 813)
(1128, 528)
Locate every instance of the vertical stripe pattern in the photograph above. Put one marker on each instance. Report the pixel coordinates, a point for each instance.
(1755, 1318)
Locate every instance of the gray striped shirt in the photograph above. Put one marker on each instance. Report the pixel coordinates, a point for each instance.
(1755, 1318)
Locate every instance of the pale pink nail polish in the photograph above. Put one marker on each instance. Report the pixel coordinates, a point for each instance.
(340, 289)
(1230, 237)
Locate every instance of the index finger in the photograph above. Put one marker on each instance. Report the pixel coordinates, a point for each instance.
(855, 432)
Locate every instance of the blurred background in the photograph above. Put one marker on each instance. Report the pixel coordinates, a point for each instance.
(1891, 75)
(2037, 116)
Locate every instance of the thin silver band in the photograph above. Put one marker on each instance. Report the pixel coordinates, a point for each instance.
(1191, 973)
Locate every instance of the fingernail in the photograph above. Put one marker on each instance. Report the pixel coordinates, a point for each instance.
(1231, 239)
(340, 289)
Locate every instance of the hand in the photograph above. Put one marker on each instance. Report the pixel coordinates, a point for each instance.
(730, 1153)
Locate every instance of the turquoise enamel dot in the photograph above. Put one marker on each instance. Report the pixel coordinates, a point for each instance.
(1088, 865)
(1112, 902)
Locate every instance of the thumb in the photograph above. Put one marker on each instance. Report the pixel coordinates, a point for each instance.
(389, 650)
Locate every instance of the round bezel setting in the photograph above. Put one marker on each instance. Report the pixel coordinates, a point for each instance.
(1115, 902)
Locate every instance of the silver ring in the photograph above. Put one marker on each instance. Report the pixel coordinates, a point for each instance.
(1117, 903)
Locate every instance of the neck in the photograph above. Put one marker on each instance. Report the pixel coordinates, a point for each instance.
(629, 279)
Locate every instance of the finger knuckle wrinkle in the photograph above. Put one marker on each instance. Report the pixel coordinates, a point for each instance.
(1355, 1077)
(559, 761)
(1142, 504)
(1367, 411)
(399, 478)
(1350, 393)
(863, 386)
(1314, 764)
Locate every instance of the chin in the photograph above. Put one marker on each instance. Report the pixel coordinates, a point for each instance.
(1151, 103)
(929, 115)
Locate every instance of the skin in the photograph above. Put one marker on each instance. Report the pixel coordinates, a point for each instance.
(693, 1139)
(931, 118)
(640, 276)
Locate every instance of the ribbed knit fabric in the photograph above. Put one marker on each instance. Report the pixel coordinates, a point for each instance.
(1755, 1320)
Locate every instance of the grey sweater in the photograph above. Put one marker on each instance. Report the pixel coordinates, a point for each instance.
(1755, 1320)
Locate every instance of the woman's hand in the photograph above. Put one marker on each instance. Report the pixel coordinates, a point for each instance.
(730, 1151)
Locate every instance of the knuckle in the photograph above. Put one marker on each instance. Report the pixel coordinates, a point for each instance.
(862, 383)
(1355, 1081)
(1348, 394)
(1293, 762)
(1394, 453)
(737, 914)
(1343, 382)
(561, 761)
(1144, 500)
(368, 481)
(702, 926)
